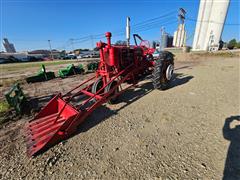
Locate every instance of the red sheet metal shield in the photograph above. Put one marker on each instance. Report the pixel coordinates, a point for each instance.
(47, 128)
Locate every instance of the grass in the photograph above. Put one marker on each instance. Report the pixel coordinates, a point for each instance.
(21, 67)
(10, 82)
(3, 107)
(24, 65)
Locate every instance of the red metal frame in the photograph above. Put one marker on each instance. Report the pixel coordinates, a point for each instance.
(59, 119)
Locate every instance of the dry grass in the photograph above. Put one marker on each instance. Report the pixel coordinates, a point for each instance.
(6, 82)
(16, 66)
(3, 106)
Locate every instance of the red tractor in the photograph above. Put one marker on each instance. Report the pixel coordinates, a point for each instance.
(119, 69)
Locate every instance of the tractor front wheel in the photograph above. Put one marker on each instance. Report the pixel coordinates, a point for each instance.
(112, 100)
(97, 85)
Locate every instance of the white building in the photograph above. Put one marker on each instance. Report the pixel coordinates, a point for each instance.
(179, 38)
(209, 26)
(22, 56)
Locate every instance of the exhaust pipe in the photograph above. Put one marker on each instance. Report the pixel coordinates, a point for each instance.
(128, 31)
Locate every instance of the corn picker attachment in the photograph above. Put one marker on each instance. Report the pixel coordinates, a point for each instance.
(71, 70)
(119, 69)
(16, 98)
(92, 66)
(42, 75)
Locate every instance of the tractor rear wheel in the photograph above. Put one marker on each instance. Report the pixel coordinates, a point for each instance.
(163, 71)
(112, 100)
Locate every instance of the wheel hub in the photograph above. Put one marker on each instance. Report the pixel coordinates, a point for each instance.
(169, 72)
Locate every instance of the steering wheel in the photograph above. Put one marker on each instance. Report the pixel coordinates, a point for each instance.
(145, 43)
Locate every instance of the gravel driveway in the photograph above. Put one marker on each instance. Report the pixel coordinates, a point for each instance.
(181, 133)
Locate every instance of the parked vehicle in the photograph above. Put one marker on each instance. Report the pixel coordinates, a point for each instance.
(80, 56)
(71, 56)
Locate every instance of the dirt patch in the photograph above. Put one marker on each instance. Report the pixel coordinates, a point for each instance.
(13, 73)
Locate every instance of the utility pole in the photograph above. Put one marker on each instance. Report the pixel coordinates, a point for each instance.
(49, 42)
(181, 15)
(181, 19)
(162, 30)
(92, 41)
(162, 33)
(180, 36)
(71, 41)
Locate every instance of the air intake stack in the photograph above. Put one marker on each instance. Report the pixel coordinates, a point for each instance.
(128, 31)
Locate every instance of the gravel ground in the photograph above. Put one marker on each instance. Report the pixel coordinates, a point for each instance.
(180, 133)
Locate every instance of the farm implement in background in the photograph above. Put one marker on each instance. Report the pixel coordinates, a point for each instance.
(92, 66)
(71, 70)
(16, 98)
(42, 75)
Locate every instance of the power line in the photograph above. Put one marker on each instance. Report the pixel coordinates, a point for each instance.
(148, 22)
(215, 22)
(80, 39)
(136, 27)
(156, 18)
(49, 41)
(146, 25)
(143, 28)
(157, 26)
(154, 24)
(148, 28)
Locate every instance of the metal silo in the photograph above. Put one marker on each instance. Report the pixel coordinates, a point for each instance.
(209, 26)
(164, 41)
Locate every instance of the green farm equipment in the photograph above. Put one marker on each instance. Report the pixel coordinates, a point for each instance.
(42, 75)
(71, 70)
(92, 66)
(16, 98)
